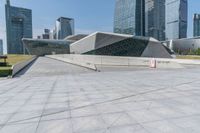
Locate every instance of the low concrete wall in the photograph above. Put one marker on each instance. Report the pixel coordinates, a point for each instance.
(73, 61)
(93, 60)
(188, 62)
(19, 66)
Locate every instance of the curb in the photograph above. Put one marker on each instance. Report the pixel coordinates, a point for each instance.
(20, 66)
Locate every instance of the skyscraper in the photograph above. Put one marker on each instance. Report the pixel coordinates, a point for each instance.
(1, 47)
(64, 27)
(129, 17)
(196, 25)
(176, 19)
(46, 34)
(155, 19)
(18, 26)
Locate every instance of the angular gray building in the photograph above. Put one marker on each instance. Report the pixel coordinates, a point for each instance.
(155, 19)
(196, 25)
(42, 47)
(176, 19)
(129, 17)
(18, 26)
(112, 44)
(1, 47)
(64, 27)
(183, 46)
(99, 43)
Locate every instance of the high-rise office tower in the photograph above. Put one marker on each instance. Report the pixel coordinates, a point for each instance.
(1, 47)
(51, 36)
(46, 31)
(129, 17)
(46, 34)
(196, 25)
(64, 27)
(18, 26)
(155, 19)
(176, 19)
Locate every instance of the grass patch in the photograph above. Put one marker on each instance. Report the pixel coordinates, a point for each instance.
(190, 57)
(5, 71)
(12, 60)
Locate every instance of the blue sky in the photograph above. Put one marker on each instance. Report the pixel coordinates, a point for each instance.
(89, 15)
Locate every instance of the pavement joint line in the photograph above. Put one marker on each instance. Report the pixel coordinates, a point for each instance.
(108, 101)
(68, 104)
(67, 118)
(146, 122)
(3, 125)
(50, 93)
(10, 98)
(11, 88)
(113, 123)
(94, 106)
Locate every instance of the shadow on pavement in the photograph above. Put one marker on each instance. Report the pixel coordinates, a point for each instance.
(24, 70)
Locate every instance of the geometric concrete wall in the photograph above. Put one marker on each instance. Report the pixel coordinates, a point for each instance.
(112, 44)
(95, 41)
(154, 49)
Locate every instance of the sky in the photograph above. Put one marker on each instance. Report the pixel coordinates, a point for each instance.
(89, 15)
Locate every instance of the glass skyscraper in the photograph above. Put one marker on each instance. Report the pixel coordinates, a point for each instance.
(1, 47)
(196, 25)
(176, 19)
(64, 27)
(18, 26)
(155, 19)
(129, 17)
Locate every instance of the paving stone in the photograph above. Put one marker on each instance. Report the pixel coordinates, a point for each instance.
(56, 97)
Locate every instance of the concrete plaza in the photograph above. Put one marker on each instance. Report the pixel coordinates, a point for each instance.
(55, 97)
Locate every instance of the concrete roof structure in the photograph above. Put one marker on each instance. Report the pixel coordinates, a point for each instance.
(55, 97)
(75, 38)
(102, 43)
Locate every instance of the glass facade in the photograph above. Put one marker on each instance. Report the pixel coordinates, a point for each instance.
(129, 17)
(64, 27)
(176, 19)
(128, 47)
(46, 47)
(196, 27)
(1, 47)
(155, 19)
(18, 26)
